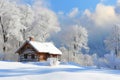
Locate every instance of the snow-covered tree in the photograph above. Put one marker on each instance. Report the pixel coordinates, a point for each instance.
(113, 41)
(20, 21)
(76, 39)
(27, 18)
(45, 23)
(10, 23)
(39, 21)
(65, 55)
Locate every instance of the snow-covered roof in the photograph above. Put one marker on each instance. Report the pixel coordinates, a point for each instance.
(45, 47)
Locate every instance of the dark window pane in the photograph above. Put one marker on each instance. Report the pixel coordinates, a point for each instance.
(32, 56)
(25, 56)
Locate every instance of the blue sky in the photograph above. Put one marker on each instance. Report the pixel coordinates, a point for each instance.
(68, 5)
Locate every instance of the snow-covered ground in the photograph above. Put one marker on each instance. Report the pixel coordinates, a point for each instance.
(42, 71)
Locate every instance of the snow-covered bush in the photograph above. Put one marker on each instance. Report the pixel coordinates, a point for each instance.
(53, 61)
(82, 59)
(108, 61)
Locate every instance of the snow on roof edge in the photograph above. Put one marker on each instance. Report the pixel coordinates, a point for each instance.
(46, 47)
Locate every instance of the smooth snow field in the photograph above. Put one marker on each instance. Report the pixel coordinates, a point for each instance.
(42, 71)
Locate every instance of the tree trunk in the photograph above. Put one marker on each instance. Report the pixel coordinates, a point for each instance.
(4, 34)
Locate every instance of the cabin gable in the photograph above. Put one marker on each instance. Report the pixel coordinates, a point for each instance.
(27, 53)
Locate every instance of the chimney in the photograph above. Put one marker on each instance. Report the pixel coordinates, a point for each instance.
(31, 39)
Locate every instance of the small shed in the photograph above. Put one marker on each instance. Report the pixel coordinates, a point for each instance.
(35, 51)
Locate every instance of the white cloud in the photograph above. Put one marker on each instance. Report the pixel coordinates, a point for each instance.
(118, 1)
(103, 15)
(74, 12)
(60, 13)
(87, 13)
(41, 3)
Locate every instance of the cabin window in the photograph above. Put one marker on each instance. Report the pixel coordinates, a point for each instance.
(25, 56)
(32, 56)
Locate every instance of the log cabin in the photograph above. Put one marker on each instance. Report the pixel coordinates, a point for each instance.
(32, 51)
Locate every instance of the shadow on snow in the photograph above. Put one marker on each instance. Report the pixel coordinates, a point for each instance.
(40, 71)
